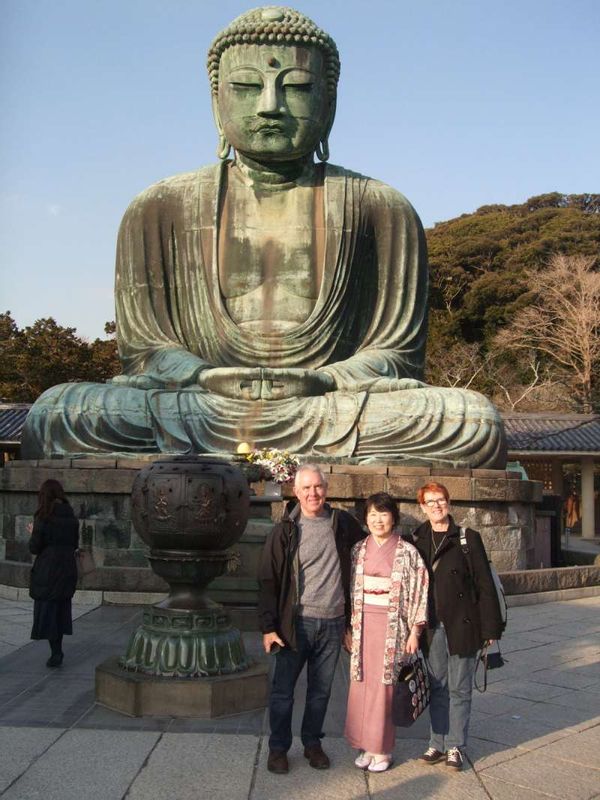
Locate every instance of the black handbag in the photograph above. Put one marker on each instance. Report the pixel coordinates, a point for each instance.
(411, 692)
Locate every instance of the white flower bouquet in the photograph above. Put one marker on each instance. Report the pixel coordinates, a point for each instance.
(276, 465)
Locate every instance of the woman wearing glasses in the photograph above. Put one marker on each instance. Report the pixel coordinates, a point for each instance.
(463, 613)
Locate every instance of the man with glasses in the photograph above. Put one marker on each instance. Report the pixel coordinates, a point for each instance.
(304, 611)
(463, 614)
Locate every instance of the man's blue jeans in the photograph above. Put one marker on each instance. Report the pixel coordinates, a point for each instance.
(451, 690)
(318, 644)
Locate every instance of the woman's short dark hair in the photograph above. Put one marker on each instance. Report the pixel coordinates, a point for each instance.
(382, 501)
(50, 491)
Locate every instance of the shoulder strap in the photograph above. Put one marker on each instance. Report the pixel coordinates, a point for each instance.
(464, 546)
(481, 661)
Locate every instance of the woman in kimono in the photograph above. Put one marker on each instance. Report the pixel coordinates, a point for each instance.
(389, 611)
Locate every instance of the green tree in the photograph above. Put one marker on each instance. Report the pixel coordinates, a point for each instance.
(479, 281)
(104, 362)
(45, 354)
(11, 345)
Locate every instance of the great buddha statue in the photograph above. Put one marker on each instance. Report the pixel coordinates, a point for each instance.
(272, 299)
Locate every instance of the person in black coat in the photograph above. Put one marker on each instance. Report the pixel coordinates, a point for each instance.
(463, 615)
(54, 541)
(304, 611)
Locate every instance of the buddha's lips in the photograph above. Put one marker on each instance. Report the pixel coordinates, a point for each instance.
(261, 127)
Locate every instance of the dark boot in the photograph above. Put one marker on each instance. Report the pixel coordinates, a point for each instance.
(316, 757)
(278, 762)
(56, 657)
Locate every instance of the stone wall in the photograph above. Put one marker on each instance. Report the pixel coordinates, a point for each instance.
(498, 504)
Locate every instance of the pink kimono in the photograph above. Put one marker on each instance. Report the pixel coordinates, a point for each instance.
(389, 596)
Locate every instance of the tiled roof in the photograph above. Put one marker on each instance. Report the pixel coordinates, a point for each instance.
(553, 433)
(12, 419)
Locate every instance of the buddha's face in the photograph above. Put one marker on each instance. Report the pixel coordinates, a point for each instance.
(273, 103)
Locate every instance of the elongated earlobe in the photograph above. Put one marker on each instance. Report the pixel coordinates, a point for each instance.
(322, 150)
(224, 148)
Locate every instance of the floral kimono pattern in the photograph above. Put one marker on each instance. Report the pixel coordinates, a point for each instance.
(407, 606)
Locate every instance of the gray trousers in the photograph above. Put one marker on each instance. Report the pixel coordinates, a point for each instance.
(451, 690)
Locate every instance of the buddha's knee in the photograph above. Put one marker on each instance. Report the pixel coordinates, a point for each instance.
(471, 404)
(86, 417)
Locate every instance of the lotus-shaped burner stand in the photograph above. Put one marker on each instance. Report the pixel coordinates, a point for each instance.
(189, 510)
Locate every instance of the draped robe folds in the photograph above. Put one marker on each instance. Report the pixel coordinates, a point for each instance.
(367, 331)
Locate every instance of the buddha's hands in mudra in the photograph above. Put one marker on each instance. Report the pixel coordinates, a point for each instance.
(257, 383)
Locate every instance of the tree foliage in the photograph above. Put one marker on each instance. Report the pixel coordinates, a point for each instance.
(482, 269)
(561, 324)
(479, 262)
(45, 354)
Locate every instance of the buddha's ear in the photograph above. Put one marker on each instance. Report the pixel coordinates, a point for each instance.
(216, 114)
(223, 148)
(331, 116)
(322, 151)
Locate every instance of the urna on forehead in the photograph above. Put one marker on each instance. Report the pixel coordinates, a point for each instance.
(275, 25)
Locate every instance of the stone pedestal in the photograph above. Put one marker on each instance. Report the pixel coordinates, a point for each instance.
(138, 695)
(497, 503)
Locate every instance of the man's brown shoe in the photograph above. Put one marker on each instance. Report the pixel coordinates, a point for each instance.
(278, 762)
(316, 757)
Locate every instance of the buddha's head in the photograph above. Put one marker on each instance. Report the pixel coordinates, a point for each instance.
(273, 76)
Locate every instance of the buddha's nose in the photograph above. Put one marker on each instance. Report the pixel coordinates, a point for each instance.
(270, 102)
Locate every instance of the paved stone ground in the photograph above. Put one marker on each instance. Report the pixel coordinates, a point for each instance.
(535, 733)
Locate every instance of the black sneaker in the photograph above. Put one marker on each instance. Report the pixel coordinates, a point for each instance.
(432, 756)
(454, 759)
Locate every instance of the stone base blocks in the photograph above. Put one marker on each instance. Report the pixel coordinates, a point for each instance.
(497, 503)
(138, 695)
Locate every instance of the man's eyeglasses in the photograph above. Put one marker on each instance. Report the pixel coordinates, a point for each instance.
(434, 503)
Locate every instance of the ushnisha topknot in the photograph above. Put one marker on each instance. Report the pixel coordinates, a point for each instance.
(274, 25)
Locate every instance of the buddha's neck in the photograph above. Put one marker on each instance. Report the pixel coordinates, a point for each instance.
(274, 174)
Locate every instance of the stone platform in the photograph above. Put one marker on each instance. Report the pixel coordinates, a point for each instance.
(497, 503)
(534, 735)
(139, 695)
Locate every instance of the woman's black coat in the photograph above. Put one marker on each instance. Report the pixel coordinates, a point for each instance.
(467, 606)
(53, 542)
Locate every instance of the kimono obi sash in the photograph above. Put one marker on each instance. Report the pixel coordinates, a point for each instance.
(376, 591)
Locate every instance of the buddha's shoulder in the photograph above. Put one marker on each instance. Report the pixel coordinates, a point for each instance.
(177, 186)
(372, 190)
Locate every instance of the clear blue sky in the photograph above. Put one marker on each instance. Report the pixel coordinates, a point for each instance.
(456, 103)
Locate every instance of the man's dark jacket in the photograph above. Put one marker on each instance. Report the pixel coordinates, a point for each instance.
(466, 603)
(278, 572)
